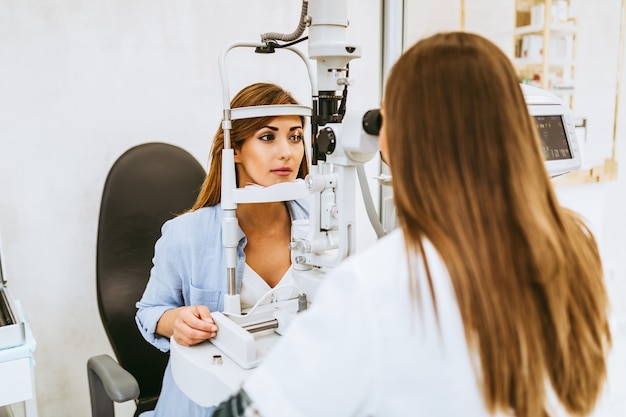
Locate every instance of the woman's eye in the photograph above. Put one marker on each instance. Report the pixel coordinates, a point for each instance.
(266, 137)
(296, 138)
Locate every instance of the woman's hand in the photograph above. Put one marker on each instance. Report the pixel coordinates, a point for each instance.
(193, 325)
(189, 325)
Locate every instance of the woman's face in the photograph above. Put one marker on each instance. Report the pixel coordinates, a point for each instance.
(272, 154)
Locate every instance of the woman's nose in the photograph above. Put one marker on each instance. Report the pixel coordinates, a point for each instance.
(284, 151)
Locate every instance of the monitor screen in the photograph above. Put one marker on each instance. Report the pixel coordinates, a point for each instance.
(553, 139)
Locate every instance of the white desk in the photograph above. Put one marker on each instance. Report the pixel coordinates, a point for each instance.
(17, 377)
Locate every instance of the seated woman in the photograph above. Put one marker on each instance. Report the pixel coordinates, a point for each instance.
(188, 279)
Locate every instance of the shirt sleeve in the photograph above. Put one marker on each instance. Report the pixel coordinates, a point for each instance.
(164, 288)
(320, 366)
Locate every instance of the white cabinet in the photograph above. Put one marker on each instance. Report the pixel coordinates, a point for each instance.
(17, 378)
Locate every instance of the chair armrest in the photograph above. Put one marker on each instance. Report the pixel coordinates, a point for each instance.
(109, 382)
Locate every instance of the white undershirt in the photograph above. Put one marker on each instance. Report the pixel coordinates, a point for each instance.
(253, 287)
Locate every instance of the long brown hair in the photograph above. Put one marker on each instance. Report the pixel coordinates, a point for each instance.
(468, 175)
(258, 94)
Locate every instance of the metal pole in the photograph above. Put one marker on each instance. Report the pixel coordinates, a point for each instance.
(392, 48)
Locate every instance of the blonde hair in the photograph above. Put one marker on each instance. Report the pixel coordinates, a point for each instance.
(258, 94)
(468, 175)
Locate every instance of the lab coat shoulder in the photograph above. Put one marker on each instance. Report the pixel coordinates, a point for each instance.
(383, 269)
(384, 257)
(411, 338)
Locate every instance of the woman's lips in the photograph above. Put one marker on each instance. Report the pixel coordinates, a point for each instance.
(283, 172)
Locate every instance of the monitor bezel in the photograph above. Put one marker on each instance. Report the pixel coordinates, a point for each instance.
(558, 167)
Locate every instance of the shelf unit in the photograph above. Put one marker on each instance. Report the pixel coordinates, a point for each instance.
(545, 46)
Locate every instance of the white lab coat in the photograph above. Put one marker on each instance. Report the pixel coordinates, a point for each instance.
(365, 348)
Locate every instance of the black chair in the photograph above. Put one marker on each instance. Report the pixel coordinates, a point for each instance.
(147, 185)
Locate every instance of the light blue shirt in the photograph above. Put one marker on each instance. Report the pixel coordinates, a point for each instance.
(189, 269)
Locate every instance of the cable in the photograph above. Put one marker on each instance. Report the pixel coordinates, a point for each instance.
(276, 36)
(369, 205)
(272, 291)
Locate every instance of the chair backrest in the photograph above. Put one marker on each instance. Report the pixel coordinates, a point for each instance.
(147, 185)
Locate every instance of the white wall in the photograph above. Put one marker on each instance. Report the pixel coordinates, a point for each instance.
(81, 81)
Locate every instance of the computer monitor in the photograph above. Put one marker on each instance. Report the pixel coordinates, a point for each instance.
(555, 123)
